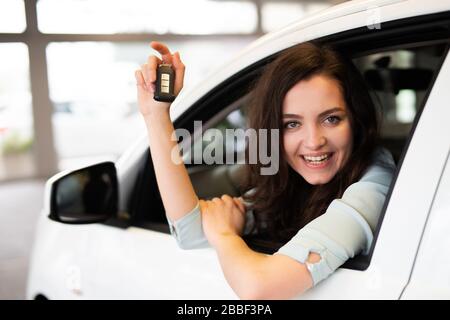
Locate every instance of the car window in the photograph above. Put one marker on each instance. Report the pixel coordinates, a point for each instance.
(399, 79)
(387, 74)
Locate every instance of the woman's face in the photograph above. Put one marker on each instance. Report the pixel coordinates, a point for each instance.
(316, 129)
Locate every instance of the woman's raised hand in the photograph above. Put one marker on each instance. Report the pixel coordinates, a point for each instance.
(146, 78)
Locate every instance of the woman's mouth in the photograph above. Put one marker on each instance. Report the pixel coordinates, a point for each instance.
(318, 161)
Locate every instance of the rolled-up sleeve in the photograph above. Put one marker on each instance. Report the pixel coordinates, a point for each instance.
(346, 228)
(188, 230)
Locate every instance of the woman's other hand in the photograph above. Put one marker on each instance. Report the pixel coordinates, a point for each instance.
(222, 216)
(146, 78)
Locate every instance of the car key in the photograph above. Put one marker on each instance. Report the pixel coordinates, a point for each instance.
(165, 78)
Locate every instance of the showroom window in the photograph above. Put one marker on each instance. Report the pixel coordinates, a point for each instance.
(277, 14)
(12, 16)
(83, 55)
(95, 113)
(16, 118)
(133, 16)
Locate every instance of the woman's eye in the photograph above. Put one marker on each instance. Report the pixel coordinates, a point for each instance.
(291, 125)
(333, 119)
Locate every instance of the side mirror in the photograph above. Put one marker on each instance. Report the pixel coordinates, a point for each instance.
(86, 195)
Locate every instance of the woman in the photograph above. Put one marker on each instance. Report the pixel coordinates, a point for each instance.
(323, 203)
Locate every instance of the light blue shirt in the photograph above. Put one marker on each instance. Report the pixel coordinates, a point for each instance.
(343, 231)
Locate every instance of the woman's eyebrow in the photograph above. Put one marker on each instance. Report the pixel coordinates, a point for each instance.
(331, 111)
(294, 115)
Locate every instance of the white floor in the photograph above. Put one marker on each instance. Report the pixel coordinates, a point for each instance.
(20, 203)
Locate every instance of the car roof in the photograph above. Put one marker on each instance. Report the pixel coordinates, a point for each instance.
(342, 17)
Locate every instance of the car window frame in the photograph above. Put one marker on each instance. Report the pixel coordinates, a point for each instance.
(393, 35)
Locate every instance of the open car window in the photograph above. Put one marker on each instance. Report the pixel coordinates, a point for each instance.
(398, 80)
(399, 75)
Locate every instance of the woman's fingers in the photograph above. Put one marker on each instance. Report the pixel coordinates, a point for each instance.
(179, 72)
(224, 201)
(174, 60)
(143, 87)
(139, 79)
(216, 201)
(233, 202)
(153, 63)
(227, 201)
(203, 205)
(166, 56)
(239, 203)
(145, 70)
(149, 72)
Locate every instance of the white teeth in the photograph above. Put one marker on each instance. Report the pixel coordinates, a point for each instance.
(317, 159)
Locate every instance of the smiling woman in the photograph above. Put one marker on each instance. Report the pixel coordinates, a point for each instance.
(319, 140)
(319, 100)
(324, 201)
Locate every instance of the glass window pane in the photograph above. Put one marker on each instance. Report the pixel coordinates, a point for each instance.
(400, 80)
(172, 16)
(12, 16)
(92, 87)
(16, 124)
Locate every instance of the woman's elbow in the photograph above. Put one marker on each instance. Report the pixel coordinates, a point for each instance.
(259, 293)
(267, 295)
(252, 294)
(271, 289)
(256, 289)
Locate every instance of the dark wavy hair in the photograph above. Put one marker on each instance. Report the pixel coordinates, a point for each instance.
(283, 203)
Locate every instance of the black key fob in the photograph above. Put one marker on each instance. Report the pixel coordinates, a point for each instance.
(165, 78)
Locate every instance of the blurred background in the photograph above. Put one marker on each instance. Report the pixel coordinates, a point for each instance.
(67, 87)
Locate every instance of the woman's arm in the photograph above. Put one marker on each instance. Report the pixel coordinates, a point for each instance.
(250, 274)
(175, 187)
(256, 276)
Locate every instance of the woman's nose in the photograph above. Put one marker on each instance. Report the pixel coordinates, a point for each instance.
(315, 139)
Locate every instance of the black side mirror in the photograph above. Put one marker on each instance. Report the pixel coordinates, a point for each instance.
(86, 195)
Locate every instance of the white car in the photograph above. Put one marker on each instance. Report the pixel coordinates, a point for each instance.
(102, 233)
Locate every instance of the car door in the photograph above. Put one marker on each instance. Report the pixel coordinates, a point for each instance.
(137, 258)
(430, 277)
